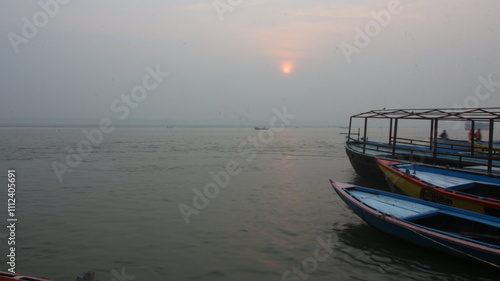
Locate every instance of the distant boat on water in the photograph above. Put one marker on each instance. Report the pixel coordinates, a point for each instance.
(261, 128)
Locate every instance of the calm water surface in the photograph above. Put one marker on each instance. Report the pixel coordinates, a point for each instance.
(117, 212)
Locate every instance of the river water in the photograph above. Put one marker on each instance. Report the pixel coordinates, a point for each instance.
(197, 204)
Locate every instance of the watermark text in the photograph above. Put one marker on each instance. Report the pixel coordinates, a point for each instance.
(11, 220)
(122, 106)
(48, 10)
(363, 37)
(247, 149)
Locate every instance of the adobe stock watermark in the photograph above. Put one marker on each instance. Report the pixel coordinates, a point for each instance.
(48, 10)
(121, 276)
(363, 37)
(223, 6)
(485, 88)
(117, 276)
(248, 150)
(310, 264)
(123, 106)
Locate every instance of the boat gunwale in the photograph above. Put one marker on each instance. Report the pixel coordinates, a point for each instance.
(460, 154)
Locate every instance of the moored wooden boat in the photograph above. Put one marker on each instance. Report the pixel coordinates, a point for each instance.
(427, 149)
(461, 190)
(454, 231)
(6, 276)
(362, 155)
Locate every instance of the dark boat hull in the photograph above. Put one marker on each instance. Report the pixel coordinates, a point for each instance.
(364, 165)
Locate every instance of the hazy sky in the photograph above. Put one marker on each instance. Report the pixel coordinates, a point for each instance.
(236, 60)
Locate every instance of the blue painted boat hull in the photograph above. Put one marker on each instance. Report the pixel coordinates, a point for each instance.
(400, 220)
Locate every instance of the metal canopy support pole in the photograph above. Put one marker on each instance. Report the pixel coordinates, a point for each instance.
(395, 137)
(472, 138)
(349, 134)
(364, 135)
(490, 146)
(431, 134)
(390, 131)
(434, 140)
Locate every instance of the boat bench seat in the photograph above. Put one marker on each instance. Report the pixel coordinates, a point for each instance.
(395, 207)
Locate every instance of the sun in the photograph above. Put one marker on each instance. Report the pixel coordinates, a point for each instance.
(287, 68)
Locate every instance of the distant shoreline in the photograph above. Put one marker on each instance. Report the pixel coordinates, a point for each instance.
(167, 127)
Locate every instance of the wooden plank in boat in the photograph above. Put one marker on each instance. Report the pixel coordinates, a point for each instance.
(392, 206)
(439, 180)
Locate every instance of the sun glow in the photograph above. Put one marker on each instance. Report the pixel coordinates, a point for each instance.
(287, 68)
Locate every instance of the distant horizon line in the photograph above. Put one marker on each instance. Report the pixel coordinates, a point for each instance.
(77, 122)
(179, 126)
(71, 125)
